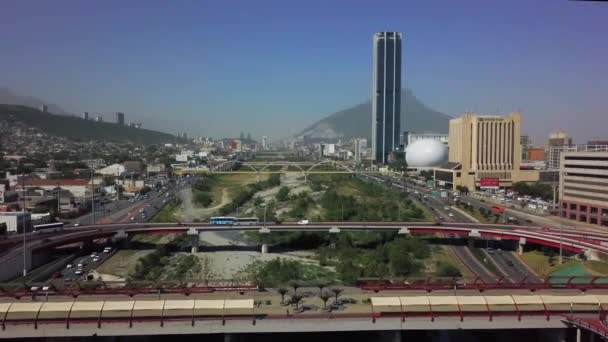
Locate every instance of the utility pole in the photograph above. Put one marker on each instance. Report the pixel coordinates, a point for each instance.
(92, 197)
(561, 236)
(23, 223)
(265, 207)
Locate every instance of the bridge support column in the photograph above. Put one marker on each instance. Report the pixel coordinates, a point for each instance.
(578, 334)
(264, 248)
(194, 238)
(520, 245)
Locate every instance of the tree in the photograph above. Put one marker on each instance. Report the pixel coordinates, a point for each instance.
(295, 299)
(257, 200)
(399, 165)
(282, 291)
(283, 194)
(322, 283)
(295, 284)
(324, 296)
(336, 291)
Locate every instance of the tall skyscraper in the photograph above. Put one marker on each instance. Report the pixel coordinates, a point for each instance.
(85, 116)
(264, 142)
(120, 118)
(386, 95)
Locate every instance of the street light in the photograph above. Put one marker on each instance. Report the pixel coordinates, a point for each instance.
(23, 223)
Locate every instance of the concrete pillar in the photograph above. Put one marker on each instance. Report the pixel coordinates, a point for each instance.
(264, 248)
(578, 334)
(195, 244)
(471, 242)
(520, 249)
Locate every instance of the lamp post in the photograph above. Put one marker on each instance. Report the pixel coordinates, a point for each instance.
(23, 224)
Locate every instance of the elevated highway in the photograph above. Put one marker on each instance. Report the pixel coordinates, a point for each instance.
(11, 259)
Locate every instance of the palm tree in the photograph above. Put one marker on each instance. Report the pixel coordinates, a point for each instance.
(282, 291)
(321, 284)
(295, 284)
(325, 297)
(296, 298)
(337, 292)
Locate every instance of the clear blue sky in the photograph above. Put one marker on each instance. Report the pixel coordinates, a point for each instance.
(272, 67)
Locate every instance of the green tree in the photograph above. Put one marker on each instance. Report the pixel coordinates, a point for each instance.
(296, 298)
(399, 165)
(283, 194)
(336, 291)
(447, 270)
(282, 291)
(324, 296)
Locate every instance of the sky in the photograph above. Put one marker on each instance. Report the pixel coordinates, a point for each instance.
(272, 67)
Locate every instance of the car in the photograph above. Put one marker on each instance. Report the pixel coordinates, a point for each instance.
(164, 201)
(509, 263)
(107, 249)
(490, 250)
(81, 265)
(133, 218)
(76, 224)
(451, 215)
(303, 222)
(95, 259)
(441, 217)
(498, 250)
(78, 272)
(69, 266)
(446, 208)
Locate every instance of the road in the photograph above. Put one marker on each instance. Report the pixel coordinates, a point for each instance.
(508, 264)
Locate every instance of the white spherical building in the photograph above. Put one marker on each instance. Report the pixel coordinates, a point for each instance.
(426, 153)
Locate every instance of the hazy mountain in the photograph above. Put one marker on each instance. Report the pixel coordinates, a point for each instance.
(8, 97)
(74, 128)
(356, 121)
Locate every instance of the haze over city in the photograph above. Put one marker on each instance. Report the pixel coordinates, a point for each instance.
(274, 67)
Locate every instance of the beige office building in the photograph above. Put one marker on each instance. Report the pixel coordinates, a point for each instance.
(484, 147)
(583, 188)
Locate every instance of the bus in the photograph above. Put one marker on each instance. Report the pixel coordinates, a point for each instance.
(246, 221)
(49, 227)
(222, 220)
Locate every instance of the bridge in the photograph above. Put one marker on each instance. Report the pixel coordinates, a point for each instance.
(11, 261)
(245, 314)
(279, 167)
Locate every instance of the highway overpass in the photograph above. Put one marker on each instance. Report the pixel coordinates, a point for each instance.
(11, 261)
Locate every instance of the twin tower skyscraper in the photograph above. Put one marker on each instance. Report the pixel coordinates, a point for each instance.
(386, 95)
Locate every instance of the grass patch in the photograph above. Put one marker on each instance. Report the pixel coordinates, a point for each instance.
(484, 260)
(167, 214)
(544, 265)
(445, 255)
(597, 267)
(121, 263)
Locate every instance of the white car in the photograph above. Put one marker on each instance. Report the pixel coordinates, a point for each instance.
(78, 272)
(451, 215)
(95, 259)
(303, 222)
(76, 224)
(69, 266)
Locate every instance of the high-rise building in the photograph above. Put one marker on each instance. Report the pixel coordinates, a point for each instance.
(98, 118)
(360, 149)
(583, 187)
(44, 108)
(559, 141)
(409, 137)
(525, 143)
(264, 142)
(485, 151)
(120, 118)
(386, 95)
(85, 116)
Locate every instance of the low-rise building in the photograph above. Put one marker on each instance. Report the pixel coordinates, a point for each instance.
(80, 188)
(583, 187)
(16, 220)
(112, 170)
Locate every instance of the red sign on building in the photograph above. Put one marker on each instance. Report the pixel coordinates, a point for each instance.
(489, 183)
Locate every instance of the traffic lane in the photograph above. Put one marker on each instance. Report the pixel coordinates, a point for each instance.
(88, 265)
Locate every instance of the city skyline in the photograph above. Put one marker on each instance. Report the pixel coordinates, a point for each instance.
(167, 75)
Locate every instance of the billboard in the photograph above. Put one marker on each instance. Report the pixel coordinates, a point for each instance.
(489, 183)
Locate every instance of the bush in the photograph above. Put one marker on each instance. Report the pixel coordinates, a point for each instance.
(203, 199)
(283, 194)
(448, 270)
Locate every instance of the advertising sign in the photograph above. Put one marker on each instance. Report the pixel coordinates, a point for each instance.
(489, 183)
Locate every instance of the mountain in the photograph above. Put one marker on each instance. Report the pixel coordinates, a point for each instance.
(75, 128)
(8, 97)
(357, 121)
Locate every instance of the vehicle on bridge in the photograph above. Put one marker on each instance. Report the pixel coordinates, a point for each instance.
(49, 227)
(234, 221)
